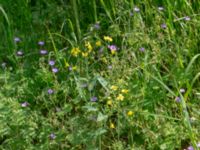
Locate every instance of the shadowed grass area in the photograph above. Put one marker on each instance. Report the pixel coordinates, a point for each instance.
(107, 74)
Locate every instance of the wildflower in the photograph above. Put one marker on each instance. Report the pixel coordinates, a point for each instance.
(98, 43)
(89, 46)
(164, 26)
(190, 148)
(70, 68)
(97, 26)
(136, 9)
(17, 39)
(50, 91)
(125, 91)
(109, 102)
(187, 18)
(84, 54)
(120, 97)
(43, 52)
(112, 126)
(20, 53)
(41, 43)
(113, 48)
(52, 136)
(178, 99)
(182, 90)
(160, 8)
(129, 113)
(24, 104)
(142, 49)
(93, 99)
(107, 38)
(54, 70)
(75, 51)
(114, 88)
(51, 62)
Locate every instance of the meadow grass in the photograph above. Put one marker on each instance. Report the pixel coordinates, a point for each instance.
(99, 75)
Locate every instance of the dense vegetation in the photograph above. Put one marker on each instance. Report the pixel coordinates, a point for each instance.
(99, 74)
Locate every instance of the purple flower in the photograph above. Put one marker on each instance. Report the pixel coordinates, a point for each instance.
(43, 52)
(51, 62)
(182, 90)
(41, 43)
(17, 39)
(160, 8)
(52, 136)
(24, 104)
(93, 99)
(20, 53)
(136, 9)
(164, 26)
(50, 91)
(112, 47)
(55, 70)
(142, 49)
(190, 148)
(187, 18)
(96, 26)
(178, 99)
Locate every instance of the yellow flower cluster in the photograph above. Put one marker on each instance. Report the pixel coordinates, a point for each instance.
(75, 51)
(107, 38)
(89, 46)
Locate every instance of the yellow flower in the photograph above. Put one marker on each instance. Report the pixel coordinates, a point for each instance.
(66, 64)
(107, 38)
(125, 91)
(75, 51)
(114, 87)
(120, 97)
(112, 126)
(129, 113)
(109, 102)
(89, 46)
(98, 43)
(84, 54)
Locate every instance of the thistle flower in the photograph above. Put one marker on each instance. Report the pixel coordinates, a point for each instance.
(50, 91)
(142, 49)
(164, 26)
(51, 62)
(43, 52)
(52, 136)
(55, 70)
(17, 39)
(93, 99)
(41, 43)
(113, 48)
(178, 99)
